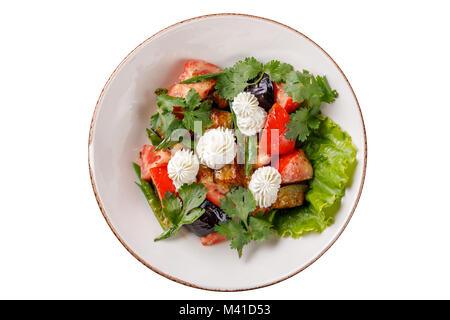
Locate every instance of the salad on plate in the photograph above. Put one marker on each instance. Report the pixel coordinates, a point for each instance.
(243, 153)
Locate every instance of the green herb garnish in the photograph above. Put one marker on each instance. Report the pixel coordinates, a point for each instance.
(155, 139)
(184, 211)
(235, 79)
(312, 91)
(192, 108)
(196, 110)
(239, 205)
(277, 71)
(302, 86)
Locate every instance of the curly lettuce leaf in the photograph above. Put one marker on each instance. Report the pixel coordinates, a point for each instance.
(333, 157)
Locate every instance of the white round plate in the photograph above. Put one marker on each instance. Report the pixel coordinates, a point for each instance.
(118, 132)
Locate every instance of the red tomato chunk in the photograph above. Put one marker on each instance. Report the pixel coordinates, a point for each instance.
(276, 125)
(295, 167)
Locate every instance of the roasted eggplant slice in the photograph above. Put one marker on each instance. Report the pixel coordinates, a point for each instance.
(205, 175)
(215, 192)
(205, 224)
(218, 100)
(228, 176)
(220, 118)
(263, 91)
(290, 196)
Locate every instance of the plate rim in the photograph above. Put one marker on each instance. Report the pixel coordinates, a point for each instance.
(103, 211)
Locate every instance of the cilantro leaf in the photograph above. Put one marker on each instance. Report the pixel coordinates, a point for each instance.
(192, 195)
(182, 211)
(192, 100)
(196, 110)
(304, 87)
(169, 128)
(172, 207)
(229, 84)
(328, 95)
(260, 229)
(301, 123)
(192, 216)
(277, 71)
(248, 68)
(238, 204)
(160, 122)
(233, 80)
(172, 231)
(166, 102)
(202, 114)
(165, 122)
(235, 231)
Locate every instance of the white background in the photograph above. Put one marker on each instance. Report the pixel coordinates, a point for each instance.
(55, 58)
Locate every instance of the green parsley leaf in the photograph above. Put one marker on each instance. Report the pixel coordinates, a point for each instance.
(169, 128)
(302, 122)
(233, 80)
(182, 211)
(163, 122)
(172, 207)
(235, 231)
(192, 216)
(248, 68)
(166, 102)
(192, 195)
(238, 204)
(304, 87)
(230, 83)
(260, 229)
(193, 110)
(202, 114)
(172, 231)
(244, 227)
(192, 100)
(328, 95)
(277, 71)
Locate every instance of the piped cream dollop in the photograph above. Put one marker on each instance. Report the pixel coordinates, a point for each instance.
(253, 124)
(264, 185)
(250, 117)
(245, 104)
(217, 148)
(183, 167)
